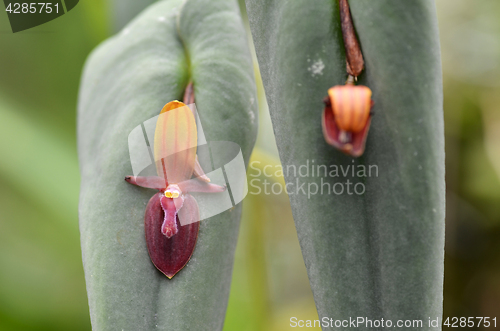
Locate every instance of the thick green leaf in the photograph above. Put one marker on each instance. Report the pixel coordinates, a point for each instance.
(126, 81)
(378, 254)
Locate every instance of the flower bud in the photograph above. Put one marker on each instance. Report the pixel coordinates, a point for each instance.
(346, 118)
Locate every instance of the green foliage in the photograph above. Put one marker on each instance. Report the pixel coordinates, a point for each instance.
(126, 81)
(42, 285)
(378, 254)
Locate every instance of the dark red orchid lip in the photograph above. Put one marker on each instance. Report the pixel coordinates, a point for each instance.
(169, 255)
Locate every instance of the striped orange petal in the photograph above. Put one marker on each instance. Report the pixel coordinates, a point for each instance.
(351, 106)
(175, 142)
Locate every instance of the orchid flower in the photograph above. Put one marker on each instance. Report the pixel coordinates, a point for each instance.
(172, 215)
(346, 118)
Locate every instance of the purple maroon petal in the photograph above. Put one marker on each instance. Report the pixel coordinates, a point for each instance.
(169, 227)
(189, 213)
(330, 128)
(197, 185)
(150, 182)
(359, 140)
(169, 255)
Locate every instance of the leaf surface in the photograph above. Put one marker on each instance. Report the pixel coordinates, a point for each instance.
(377, 253)
(127, 81)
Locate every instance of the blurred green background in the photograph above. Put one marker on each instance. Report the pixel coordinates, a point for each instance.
(41, 276)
